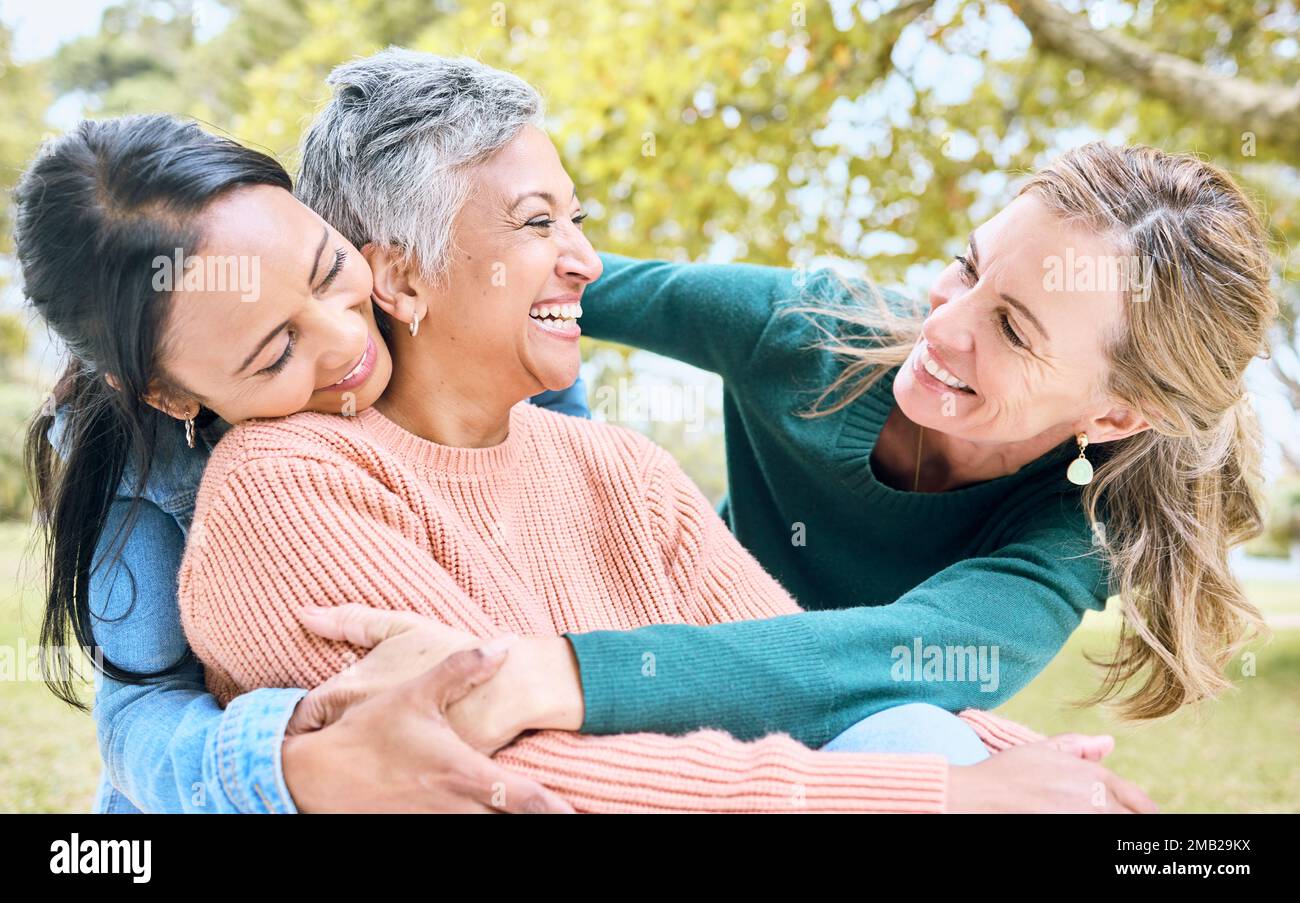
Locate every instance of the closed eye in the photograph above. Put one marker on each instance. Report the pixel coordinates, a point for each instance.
(969, 276)
(1005, 322)
(340, 255)
(543, 222)
(283, 360)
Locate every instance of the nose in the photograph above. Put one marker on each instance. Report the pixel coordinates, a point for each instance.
(341, 333)
(578, 260)
(949, 327)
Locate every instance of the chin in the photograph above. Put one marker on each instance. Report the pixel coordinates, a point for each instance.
(560, 381)
(557, 372)
(919, 405)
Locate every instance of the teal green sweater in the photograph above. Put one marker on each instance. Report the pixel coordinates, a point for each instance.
(898, 586)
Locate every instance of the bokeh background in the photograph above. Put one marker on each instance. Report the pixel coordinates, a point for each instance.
(869, 136)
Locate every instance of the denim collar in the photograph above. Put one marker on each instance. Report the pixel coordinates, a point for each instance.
(175, 471)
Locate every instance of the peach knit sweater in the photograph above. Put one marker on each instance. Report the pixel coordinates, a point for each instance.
(567, 525)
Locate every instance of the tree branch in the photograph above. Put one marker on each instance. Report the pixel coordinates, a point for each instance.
(1270, 111)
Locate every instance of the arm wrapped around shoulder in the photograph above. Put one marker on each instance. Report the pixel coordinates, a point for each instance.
(274, 534)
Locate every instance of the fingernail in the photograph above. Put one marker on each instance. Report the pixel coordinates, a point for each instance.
(310, 610)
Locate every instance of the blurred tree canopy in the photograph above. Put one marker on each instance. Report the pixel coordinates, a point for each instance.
(772, 132)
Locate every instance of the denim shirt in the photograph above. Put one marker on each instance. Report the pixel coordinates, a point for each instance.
(167, 746)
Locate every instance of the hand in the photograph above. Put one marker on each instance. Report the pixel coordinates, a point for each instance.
(402, 644)
(539, 687)
(395, 752)
(1059, 774)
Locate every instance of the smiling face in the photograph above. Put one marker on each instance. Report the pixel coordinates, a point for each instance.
(1007, 354)
(279, 318)
(505, 311)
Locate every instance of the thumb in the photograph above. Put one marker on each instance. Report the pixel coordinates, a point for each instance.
(1093, 747)
(358, 624)
(320, 708)
(455, 676)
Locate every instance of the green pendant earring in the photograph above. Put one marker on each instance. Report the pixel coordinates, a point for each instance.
(1080, 470)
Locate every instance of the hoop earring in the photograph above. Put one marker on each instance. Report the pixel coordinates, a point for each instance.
(1080, 470)
(415, 326)
(189, 431)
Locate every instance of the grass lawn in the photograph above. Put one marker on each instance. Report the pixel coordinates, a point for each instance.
(1238, 754)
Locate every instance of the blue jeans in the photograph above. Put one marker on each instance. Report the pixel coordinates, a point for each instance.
(916, 727)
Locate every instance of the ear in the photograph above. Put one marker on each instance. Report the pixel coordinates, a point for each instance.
(1115, 423)
(398, 291)
(157, 397)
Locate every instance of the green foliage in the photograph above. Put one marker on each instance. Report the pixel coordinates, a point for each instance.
(1282, 529)
(18, 402)
(778, 133)
(24, 95)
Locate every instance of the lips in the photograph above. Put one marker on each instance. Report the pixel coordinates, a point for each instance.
(359, 373)
(558, 316)
(929, 364)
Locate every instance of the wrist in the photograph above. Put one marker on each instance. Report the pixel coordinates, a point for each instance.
(552, 683)
(295, 764)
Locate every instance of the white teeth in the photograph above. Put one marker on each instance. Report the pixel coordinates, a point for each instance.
(556, 313)
(354, 371)
(938, 372)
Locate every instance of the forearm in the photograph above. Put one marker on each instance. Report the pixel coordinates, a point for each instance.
(170, 748)
(166, 743)
(811, 675)
(708, 315)
(994, 621)
(709, 771)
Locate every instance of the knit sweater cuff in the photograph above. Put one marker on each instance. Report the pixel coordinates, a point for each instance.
(675, 678)
(996, 732)
(708, 771)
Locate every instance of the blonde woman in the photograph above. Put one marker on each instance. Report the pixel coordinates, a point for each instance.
(977, 475)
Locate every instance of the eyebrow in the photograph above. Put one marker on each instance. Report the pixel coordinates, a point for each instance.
(544, 195)
(1020, 307)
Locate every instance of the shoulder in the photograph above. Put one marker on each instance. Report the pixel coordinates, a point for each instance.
(306, 436)
(605, 451)
(301, 445)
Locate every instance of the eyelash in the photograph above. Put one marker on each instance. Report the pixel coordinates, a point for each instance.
(340, 255)
(283, 360)
(1004, 322)
(547, 223)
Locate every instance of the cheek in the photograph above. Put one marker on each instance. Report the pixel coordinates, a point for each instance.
(287, 395)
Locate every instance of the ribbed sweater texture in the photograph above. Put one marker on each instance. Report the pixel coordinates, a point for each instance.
(567, 525)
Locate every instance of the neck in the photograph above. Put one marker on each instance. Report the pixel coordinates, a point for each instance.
(946, 462)
(439, 396)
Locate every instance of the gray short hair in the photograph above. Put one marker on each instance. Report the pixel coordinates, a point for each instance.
(388, 159)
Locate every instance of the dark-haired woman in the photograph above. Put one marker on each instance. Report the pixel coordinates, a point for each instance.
(115, 479)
